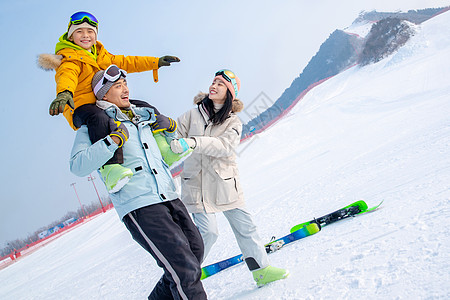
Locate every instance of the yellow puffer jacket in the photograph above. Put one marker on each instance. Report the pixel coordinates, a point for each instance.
(77, 67)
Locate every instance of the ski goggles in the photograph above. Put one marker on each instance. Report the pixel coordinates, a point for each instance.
(82, 16)
(230, 77)
(111, 74)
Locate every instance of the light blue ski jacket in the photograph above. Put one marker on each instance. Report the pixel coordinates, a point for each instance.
(151, 182)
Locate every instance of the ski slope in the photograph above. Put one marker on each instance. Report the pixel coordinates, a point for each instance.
(381, 132)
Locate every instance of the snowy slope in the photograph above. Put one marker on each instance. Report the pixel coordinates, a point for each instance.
(376, 133)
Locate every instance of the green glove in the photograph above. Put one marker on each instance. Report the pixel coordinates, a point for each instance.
(63, 98)
(166, 60)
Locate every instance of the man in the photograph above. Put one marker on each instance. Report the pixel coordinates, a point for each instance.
(148, 204)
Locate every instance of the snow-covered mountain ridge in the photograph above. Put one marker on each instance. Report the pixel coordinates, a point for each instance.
(343, 49)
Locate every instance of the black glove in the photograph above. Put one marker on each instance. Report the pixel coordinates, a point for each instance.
(119, 130)
(57, 106)
(164, 123)
(166, 60)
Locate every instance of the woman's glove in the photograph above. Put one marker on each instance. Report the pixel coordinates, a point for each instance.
(57, 105)
(118, 130)
(182, 145)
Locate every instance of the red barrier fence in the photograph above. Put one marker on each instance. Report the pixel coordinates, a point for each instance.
(29, 248)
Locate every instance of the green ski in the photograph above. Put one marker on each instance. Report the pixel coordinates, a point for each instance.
(272, 246)
(351, 210)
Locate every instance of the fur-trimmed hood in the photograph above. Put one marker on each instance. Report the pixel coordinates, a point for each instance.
(237, 106)
(49, 62)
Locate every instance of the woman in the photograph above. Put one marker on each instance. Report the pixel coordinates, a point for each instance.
(210, 179)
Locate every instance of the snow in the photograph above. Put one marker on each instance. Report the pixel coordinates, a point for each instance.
(360, 29)
(376, 133)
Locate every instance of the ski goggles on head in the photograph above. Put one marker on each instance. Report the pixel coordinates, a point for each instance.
(230, 77)
(82, 16)
(111, 74)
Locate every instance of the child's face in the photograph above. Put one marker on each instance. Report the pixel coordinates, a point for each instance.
(118, 94)
(84, 37)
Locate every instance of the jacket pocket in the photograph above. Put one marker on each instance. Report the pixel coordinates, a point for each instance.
(141, 183)
(227, 190)
(191, 192)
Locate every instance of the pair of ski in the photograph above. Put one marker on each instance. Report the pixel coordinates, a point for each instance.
(299, 231)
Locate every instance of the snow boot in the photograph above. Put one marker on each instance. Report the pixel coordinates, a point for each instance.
(172, 159)
(115, 177)
(269, 274)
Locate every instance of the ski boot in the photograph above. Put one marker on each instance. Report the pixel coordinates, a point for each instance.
(269, 274)
(115, 177)
(172, 159)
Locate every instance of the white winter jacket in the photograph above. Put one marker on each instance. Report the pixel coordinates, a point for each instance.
(210, 177)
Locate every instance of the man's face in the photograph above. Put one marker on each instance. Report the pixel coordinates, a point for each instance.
(118, 94)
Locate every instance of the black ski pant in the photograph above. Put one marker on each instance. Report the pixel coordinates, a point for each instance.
(167, 232)
(97, 122)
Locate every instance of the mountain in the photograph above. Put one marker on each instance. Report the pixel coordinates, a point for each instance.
(342, 50)
(413, 16)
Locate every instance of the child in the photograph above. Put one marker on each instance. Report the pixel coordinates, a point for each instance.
(79, 55)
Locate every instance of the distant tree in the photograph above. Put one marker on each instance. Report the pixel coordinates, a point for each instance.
(384, 38)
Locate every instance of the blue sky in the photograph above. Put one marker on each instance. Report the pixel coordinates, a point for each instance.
(266, 43)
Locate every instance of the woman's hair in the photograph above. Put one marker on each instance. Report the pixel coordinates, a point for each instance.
(219, 117)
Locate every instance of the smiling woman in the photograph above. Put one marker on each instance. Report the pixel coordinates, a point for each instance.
(210, 180)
